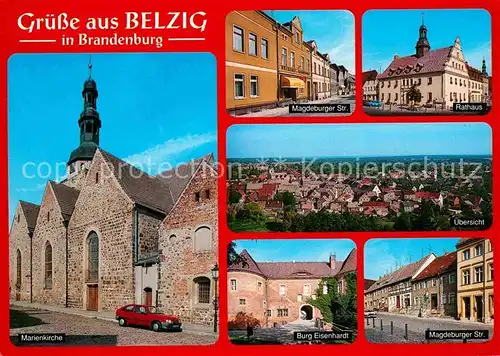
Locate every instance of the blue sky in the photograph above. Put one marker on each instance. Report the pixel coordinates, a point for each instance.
(296, 249)
(390, 32)
(359, 140)
(332, 30)
(149, 107)
(381, 255)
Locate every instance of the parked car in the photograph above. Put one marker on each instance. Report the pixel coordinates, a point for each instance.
(370, 314)
(375, 103)
(148, 316)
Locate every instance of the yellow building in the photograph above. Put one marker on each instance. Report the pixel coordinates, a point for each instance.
(475, 279)
(251, 62)
(294, 63)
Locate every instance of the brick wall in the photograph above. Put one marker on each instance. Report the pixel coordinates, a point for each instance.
(19, 240)
(294, 287)
(247, 288)
(49, 228)
(148, 234)
(104, 208)
(177, 287)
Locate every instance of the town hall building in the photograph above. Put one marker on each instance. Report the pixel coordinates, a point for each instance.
(110, 234)
(443, 76)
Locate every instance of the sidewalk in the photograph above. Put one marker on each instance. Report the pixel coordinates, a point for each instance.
(282, 111)
(451, 320)
(104, 315)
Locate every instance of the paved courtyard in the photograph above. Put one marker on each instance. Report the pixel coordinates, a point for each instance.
(416, 328)
(82, 330)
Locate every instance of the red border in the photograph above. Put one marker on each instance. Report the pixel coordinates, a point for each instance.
(215, 32)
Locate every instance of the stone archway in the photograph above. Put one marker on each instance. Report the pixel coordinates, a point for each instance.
(306, 312)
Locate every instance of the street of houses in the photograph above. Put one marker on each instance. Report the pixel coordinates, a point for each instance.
(271, 65)
(457, 285)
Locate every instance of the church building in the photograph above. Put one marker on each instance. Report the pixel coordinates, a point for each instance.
(443, 76)
(110, 234)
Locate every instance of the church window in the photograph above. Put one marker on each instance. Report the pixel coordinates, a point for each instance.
(18, 215)
(172, 239)
(92, 258)
(97, 177)
(197, 197)
(203, 239)
(207, 194)
(48, 216)
(48, 266)
(202, 290)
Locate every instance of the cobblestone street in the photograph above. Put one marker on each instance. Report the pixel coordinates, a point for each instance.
(416, 329)
(81, 330)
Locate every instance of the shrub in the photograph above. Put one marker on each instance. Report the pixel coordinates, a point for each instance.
(242, 321)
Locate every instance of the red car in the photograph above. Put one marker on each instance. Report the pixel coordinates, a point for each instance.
(148, 316)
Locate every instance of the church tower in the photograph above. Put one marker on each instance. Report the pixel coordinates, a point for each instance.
(423, 47)
(90, 124)
(484, 71)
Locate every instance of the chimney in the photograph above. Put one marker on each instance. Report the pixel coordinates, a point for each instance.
(332, 260)
(396, 57)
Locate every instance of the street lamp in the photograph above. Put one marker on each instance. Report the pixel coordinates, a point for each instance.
(215, 276)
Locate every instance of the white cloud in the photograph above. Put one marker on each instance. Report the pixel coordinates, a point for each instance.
(36, 188)
(342, 49)
(169, 149)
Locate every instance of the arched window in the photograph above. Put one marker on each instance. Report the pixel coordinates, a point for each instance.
(48, 265)
(203, 239)
(18, 269)
(172, 239)
(92, 257)
(202, 290)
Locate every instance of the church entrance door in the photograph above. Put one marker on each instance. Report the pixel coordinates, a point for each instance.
(92, 297)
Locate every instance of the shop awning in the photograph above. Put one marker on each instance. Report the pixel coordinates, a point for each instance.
(291, 82)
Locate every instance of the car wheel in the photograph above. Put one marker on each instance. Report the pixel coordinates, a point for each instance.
(156, 326)
(122, 322)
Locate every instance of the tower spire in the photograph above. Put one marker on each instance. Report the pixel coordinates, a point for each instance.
(89, 122)
(90, 66)
(423, 47)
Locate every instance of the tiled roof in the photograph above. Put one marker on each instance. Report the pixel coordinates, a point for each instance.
(249, 264)
(350, 262)
(370, 75)
(293, 270)
(177, 178)
(368, 283)
(399, 275)
(30, 211)
(466, 240)
(439, 265)
(433, 61)
(66, 197)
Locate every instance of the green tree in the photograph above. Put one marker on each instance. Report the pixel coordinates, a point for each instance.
(234, 196)
(403, 222)
(414, 94)
(233, 257)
